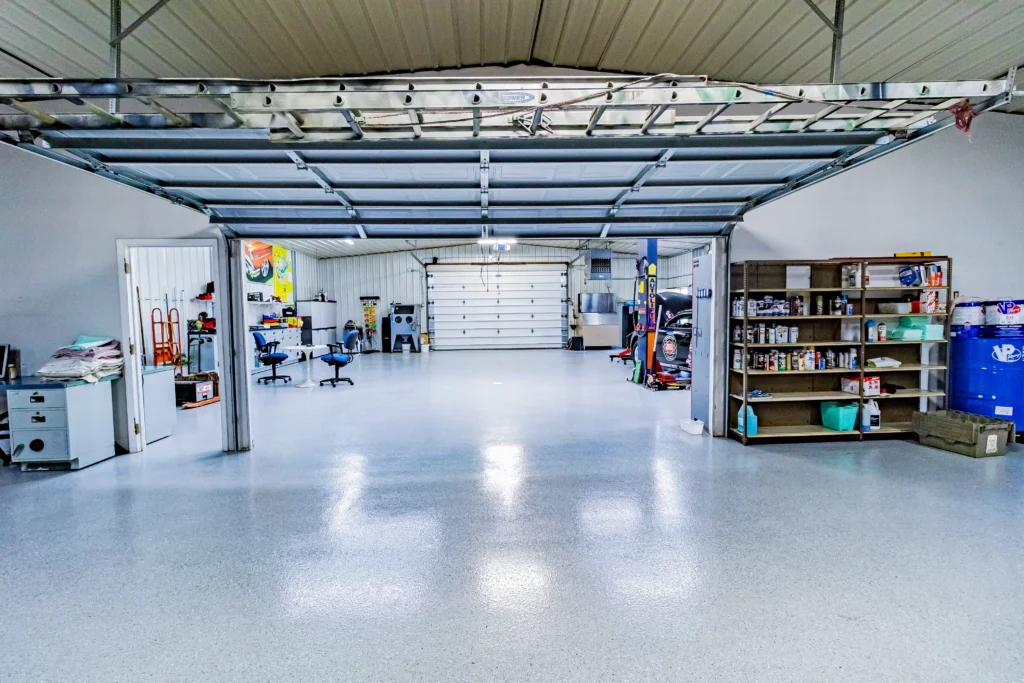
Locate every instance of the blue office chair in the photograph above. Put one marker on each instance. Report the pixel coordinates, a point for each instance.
(339, 358)
(268, 355)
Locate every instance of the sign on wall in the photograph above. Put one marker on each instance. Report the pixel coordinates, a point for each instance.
(283, 282)
(269, 269)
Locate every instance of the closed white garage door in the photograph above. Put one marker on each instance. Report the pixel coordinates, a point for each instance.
(497, 307)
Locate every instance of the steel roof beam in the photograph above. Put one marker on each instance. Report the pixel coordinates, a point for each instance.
(835, 70)
(143, 18)
(512, 220)
(485, 177)
(821, 15)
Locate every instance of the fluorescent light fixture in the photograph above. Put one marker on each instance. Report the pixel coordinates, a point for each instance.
(350, 241)
(487, 241)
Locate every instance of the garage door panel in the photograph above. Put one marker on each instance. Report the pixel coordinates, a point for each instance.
(502, 326)
(448, 318)
(471, 308)
(531, 278)
(497, 307)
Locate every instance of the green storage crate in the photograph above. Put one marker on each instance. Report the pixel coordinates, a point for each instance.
(839, 417)
(977, 436)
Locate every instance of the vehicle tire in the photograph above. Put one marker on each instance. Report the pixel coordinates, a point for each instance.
(265, 269)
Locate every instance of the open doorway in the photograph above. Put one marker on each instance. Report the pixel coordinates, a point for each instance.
(172, 382)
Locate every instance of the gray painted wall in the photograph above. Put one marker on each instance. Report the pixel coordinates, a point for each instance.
(58, 232)
(952, 194)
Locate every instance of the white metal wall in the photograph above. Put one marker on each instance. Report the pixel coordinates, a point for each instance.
(399, 276)
(676, 272)
(311, 275)
(171, 277)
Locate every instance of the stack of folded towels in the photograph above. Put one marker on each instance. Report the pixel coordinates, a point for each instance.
(89, 358)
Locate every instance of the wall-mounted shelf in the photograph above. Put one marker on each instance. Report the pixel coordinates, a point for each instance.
(798, 345)
(794, 409)
(904, 342)
(782, 318)
(797, 290)
(790, 396)
(906, 367)
(794, 431)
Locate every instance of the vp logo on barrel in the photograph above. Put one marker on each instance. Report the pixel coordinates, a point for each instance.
(1006, 353)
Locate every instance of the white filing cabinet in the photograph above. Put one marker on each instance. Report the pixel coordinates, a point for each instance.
(57, 425)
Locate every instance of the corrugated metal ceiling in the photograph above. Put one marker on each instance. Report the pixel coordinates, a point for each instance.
(765, 41)
(332, 248)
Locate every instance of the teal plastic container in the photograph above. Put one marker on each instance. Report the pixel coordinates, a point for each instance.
(839, 417)
(750, 422)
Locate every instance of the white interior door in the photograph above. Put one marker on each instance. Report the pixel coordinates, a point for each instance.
(502, 306)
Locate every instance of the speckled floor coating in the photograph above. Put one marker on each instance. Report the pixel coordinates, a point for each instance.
(510, 516)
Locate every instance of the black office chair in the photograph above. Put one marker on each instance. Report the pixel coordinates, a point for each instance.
(338, 358)
(268, 355)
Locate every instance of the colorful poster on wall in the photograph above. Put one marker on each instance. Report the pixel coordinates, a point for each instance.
(283, 284)
(259, 261)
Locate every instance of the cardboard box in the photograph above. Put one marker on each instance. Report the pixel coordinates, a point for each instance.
(976, 436)
(872, 385)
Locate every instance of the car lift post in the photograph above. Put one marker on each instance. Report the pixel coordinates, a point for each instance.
(647, 317)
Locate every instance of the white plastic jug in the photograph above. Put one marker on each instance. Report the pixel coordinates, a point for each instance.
(871, 417)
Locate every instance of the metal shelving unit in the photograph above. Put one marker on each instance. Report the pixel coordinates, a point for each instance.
(792, 412)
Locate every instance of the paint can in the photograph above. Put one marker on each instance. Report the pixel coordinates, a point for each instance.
(1004, 317)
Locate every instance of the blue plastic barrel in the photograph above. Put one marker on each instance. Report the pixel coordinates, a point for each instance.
(987, 376)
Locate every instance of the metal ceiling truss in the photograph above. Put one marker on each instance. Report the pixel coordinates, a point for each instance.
(662, 155)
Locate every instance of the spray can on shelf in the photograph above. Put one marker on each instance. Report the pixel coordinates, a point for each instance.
(819, 305)
(881, 332)
(794, 334)
(853, 359)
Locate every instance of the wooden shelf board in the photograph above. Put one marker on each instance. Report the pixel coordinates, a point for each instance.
(796, 289)
(912, 393)
(905, 341)
(799, 372)
(793, 396)
(906, 367)
(801, 344)
(893, 428)
(906, 315)
(789, 431)
(766, 318)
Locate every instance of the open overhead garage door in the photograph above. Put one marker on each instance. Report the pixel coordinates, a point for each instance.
(506, 306)
(461, 158)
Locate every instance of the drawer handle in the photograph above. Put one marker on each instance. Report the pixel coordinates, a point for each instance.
(37, 399)
(38, 418)
(36, 445)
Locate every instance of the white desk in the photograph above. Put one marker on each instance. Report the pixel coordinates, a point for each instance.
(307, 352)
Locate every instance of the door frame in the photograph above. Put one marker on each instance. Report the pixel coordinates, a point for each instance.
(134, 361)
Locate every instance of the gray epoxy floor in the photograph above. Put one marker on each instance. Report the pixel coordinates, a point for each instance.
(509, 516)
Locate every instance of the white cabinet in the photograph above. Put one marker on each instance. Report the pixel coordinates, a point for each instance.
(58, 425)
(324, 313)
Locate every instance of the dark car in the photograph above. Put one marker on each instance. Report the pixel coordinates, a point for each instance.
(674, 331)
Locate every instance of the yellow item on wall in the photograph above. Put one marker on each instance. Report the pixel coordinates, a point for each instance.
(283, 284)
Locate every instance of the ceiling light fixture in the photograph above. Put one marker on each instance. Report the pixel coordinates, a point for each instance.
(350, 241)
